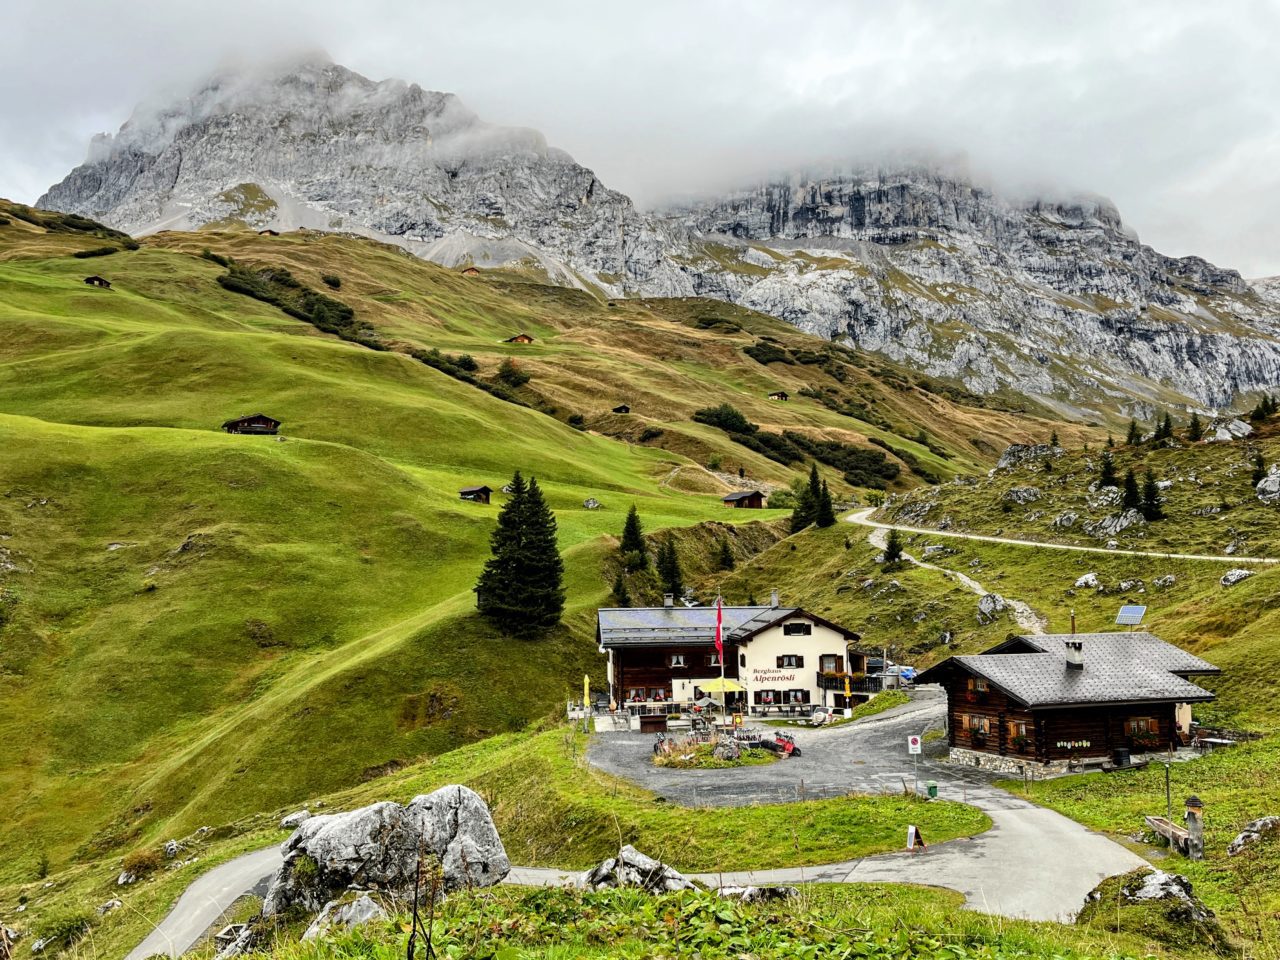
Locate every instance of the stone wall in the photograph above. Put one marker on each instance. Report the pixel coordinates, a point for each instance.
(1006, 764)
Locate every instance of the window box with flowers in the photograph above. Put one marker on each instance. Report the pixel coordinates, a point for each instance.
(1021, 742)
(1147, 740)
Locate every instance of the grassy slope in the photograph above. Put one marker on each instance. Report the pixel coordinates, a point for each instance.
(199, 625)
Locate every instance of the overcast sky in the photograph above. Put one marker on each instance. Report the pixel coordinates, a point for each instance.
(1170, 108)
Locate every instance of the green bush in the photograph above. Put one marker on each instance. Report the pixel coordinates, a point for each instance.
(331, 281)
(141, 863)
(216, 258)
(650, 433)
(727, 417)
(61, 928)
(766, 353)
(95, 252)
(510, 373)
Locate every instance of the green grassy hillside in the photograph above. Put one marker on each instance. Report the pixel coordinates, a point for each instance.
(194, 626)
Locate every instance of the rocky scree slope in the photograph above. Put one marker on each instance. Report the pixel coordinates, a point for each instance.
(1052, 299)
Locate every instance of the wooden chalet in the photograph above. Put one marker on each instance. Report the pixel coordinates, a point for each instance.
(475, 494)
(96, 281)
(744, 500)
(268, 232)
(1059, 699)
(470, 271)
(622, 408)
(786, 659)
(258, 423)
(519, 338)
(779, 395)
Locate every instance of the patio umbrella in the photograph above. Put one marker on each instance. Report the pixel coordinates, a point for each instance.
(724, 687)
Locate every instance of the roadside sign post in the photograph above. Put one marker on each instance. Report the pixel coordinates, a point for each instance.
(913, 748)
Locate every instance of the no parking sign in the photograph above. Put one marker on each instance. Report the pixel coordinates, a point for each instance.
(913, 744)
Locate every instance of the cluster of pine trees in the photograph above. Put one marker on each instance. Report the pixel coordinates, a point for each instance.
(1266, 407)
(1145, 499)
(813, 504)
(521, 588)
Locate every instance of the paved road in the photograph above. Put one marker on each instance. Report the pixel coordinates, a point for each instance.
(863, 518)
(205, 901)
(1032, 864)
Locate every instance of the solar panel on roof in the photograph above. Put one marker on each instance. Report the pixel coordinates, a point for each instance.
(1130, 615)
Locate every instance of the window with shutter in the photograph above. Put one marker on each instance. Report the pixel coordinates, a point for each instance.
(797, 629)
(790, 661)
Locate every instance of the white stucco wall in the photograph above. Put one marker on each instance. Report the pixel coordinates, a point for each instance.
(762, 651)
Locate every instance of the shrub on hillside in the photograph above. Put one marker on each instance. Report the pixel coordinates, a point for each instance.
(650, 433)
(510, 373)
(331, 281)
(727, 417)
(61, 928)
(763, 352)
(95, 252)
(142, 863)
(217, 258)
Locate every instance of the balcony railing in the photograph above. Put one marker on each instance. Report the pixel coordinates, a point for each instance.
(835, 683)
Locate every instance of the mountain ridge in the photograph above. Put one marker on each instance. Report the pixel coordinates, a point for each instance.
(1055, 299)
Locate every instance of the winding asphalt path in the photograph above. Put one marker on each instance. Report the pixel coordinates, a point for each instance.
(1032, 864)
(863, 518)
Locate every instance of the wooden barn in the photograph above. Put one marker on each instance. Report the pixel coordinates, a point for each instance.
(470, 272)
(268, 232)
(258, 423)
(1055, 700)
(519, 338)
(622, 408)
(744, 500)
(780, 395)
(96, 281)
(475, 494)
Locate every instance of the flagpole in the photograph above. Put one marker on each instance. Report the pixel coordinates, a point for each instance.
(724, 694)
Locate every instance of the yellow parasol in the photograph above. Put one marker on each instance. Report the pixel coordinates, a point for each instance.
(721, 685)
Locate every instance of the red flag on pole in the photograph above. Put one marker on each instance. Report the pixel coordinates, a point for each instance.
(719, 630)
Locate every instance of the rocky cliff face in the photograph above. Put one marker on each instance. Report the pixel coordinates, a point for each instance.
(1052, 299)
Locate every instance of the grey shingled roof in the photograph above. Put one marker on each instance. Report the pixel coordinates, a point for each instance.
(1144, 647)
(742, 495)
(1118, 668)
(656, 626)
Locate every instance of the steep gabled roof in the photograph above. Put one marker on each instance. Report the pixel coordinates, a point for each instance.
(741, 495)
(659, 626)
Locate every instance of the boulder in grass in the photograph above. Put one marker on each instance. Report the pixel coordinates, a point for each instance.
(1253, 831)
(1232, 577)
(631, 868)
(1156, 906)
(380, 848)
(990, 606)
(345, 915)
(296, 819)
(757, 894)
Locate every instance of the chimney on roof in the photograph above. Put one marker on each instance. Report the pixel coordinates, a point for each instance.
(1075, 654)
(773, 598)
(1073, 621)
(668, 600)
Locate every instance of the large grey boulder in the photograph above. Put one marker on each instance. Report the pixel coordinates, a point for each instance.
(1022, 495)
(380, 847)
(1253, 831)
(1019, 453)
(631, 868)
(340, 915)
(1088, 582)
(757, 894)
(1232, 577)
(295, 820)
(990, 606)
(1268, 488)
(1110, 526)
(1223, 431)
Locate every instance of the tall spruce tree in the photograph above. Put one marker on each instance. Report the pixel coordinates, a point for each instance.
(1259, 468)
(806, 508)
(725, 559)
(521, 586)
(1053, 439)
(1107, 475)
(1195, 429)
(1132, 499)
(1111, 442)
(1151, 508)
(669, 569)
(825, 515)
(1134, 436)
(1164, 431)
(621, 595)
(632, 548)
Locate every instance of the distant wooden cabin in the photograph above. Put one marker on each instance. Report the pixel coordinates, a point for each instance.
(475, 494)
(470, 272)
(519, 338)
(622, 408)
(744, 500)
(98, 282)
(268, 233)
(258, 423)
(779, 395)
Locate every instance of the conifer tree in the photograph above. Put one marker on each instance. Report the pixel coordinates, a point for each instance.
(1195, 429)
(632, 548)
(726, 555)
(825, 515)
(1134, 437)
(1164, 430)
(621, 595)
(1132, 499)
(521, 586)
(1111, 442)
(1053, 439)
(893, 547)
(669, 569)
(1107, 476)
(1151, 509)
(806, 508)
(1259, 468)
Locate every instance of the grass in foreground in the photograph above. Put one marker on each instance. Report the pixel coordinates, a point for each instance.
(1236, 785)
(872, 921)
